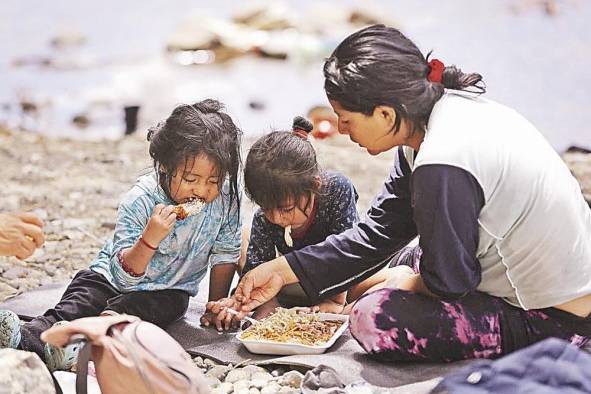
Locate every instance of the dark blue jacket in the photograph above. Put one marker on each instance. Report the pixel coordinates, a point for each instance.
(550, 366)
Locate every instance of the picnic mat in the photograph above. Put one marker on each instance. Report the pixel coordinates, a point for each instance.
(346, 356)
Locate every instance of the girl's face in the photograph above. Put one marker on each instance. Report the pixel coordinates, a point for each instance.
(197, 177)
(372, 132)
(291, 213)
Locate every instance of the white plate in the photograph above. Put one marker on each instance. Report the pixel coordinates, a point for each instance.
(282, 348)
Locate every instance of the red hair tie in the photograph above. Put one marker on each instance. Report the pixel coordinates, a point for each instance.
(301, 133)
(436, 70)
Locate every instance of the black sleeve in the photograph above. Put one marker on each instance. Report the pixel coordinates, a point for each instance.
(260, 247)
(345, 259)
(447, 201)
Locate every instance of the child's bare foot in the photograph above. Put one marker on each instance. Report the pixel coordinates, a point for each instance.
(328, 306)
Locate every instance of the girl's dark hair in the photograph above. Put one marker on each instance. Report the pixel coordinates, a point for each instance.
(192, 130)
(281, 165)
(378, 65)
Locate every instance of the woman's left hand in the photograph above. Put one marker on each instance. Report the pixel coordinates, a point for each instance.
(262, 283)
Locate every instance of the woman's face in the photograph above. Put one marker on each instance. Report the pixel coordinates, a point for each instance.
(197, 177)
(372, 132)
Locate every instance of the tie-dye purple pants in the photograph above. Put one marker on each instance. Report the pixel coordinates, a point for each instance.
(394, 324)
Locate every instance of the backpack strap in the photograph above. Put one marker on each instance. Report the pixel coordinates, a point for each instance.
(56, 384)
(82, 367)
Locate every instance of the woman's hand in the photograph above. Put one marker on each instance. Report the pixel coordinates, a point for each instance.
(160, 224)
(262, 284)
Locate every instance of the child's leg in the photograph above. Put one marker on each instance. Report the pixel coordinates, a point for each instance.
(160, 307)
(245, 240)
(401, 325)
(85, 296)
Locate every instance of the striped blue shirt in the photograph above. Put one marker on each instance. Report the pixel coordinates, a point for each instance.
(205, 239)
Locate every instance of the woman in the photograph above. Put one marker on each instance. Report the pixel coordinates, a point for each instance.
(504, 230)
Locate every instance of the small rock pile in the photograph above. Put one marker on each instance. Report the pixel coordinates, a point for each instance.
(249, 379)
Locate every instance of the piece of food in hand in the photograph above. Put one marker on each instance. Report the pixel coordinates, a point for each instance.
(191, 207)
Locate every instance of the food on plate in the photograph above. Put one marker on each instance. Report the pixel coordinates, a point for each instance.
(289, 326)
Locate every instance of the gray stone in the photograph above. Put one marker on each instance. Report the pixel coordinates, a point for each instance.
(41, 213)
(252, 369)
(218, 371)
(74, 235)
(4, 265)
(212, 382)
(50, 269)
(46, 281)
(199, 362)
(14, 273)
(241, 385)
(209, 362)
(108, 225)
(225, 388)
(6, 291)
(292, 379)
(288, 390)
(24, 373)
(266, 376)
(271, 388)
(38, 255)
(237, 374)
(51, 246)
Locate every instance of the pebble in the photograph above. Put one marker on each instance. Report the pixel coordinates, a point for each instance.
(218, 371)
(14, 273)
(6, 290)
(108, 225)
(199, 362)
(272, 388)
(292, 379)
(241, 385)
(252, 369)
(4, 266)
(224, 388)
(41, 213)
(50, 269)
(209, 362)
(212, 382)
(236, 375)
(288, 390)
(260, 379)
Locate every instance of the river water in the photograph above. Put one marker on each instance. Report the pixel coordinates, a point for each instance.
(537, 63)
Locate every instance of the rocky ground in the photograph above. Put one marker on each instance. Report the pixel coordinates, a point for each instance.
(249, 379)
(75, 187)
